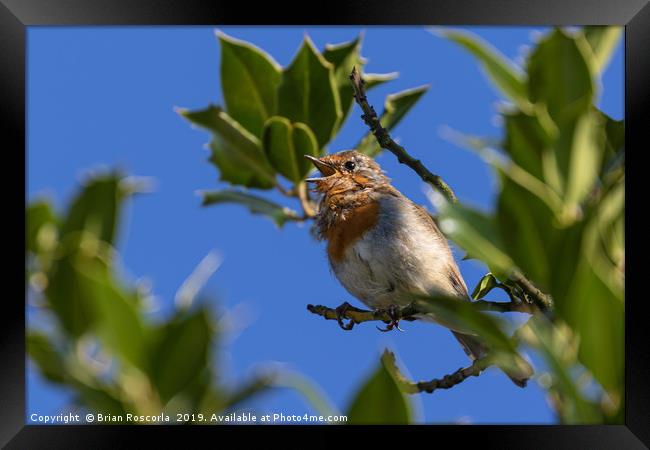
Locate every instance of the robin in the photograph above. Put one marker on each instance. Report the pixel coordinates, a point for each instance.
(382, 247)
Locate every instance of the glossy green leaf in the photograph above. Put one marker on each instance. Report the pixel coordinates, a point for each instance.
(395, 108)
(501, 71)
(602, 42)
(180, 353)
(484, 286)
(47, 358)
(249, 81)
(379, 401)
(376, 79)
(96, 208)
(286, 145)
(308, 93)
(559, 77)
(257, 205)
(343, 58)
(38, 214)
(236, 152)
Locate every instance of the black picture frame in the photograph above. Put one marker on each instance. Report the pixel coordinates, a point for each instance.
(17, 15)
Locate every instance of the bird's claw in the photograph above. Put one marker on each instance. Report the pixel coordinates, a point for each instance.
(340, 314)
(394, 320)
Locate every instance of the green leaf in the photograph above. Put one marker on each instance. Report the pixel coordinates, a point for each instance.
(249, 80)
(586, 157)
(236, 152)
(343, 58)
(286, 144)
(180, 352)
(602, 42)
(46, 357)
(38, 215)
(559, 77)
(380, 401)
(96, 208)
(376, 79)
(477, 234)
(257, 205)
(116, 319)
(503, 73)
(487, 283)
(556, 344)
(395, 108)
(464, 317)
(308, 93)
(67, 297)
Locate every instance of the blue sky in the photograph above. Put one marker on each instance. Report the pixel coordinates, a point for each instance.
(105, 97)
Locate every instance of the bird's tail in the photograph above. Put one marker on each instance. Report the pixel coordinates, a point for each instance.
(476, 349)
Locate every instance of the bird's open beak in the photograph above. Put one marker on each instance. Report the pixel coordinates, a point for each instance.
(325, 168)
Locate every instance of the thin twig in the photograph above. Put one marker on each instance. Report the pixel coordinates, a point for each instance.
(308, 206)
(385, 141)
(408, 312)
(542, 300)
(446, 382)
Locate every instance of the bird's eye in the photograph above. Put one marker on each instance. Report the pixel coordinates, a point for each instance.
(350, 165)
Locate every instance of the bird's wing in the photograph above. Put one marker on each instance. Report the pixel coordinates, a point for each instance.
(454, 274)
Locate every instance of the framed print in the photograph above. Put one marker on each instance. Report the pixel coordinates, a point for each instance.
(358, 219)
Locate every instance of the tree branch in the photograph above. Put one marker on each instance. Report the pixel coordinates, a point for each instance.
(356, 315)
(385, 141)
(446, 382)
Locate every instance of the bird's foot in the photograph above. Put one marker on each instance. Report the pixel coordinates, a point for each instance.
(340, 315)
(394, 319)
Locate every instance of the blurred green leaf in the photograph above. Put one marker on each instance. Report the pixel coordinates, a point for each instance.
(602, 42)
(395, 108)
(236, 152)
(180, 352)
(464, 317)
(484, 286)
(503, 73)
(98, 399)
(559, 77)
(614, 140)
(38, 214)
(67, 297)
(528, 143)
(286, 145)
(586, 157)
(557, 345)
(379, 401)
(96, 208)
(46, 357)
(249, 80)
(308, 93)
(257, 205)
(116, 319)
(477, 234)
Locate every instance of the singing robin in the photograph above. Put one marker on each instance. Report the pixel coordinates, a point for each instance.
(381, 246)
